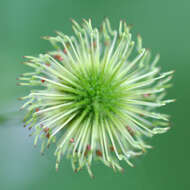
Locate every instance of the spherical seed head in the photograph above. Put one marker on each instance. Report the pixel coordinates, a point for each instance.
(97, 99)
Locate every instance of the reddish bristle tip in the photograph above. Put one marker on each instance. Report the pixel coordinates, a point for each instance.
(47, 135)
(48, 64)
(64, 51)
(112, 148)
(46, 129)
(71, 140)
(98, 153)
(146, 95)
(58, 57)
(88, 147)
(130, 130)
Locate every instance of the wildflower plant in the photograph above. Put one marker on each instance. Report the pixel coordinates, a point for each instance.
(96, 101)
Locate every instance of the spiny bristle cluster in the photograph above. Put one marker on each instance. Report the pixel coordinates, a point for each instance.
(95, 98)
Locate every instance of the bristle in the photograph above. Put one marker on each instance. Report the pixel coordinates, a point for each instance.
(96, 94)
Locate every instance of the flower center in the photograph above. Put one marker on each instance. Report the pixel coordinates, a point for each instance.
(98, 93)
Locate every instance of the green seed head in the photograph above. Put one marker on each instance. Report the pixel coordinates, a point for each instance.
(95, 97)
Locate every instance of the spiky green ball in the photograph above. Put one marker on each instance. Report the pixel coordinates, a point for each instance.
(96, 98)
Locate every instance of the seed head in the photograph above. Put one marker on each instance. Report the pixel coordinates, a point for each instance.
(95, 97)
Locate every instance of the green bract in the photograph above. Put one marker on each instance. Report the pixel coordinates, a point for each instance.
(96, 99)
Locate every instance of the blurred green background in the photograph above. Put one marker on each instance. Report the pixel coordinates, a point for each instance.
(165, 28)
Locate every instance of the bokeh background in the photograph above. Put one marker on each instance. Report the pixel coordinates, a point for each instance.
(165, 28)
